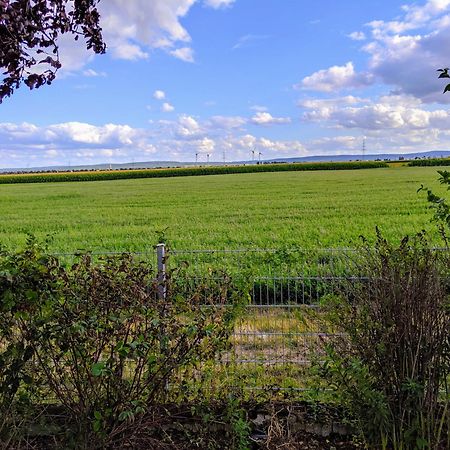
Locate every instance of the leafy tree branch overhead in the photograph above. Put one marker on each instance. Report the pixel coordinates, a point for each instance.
(444, 74)
(29, 32)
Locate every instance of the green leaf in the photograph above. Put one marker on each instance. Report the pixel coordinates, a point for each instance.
(98, 369)
(97, 426)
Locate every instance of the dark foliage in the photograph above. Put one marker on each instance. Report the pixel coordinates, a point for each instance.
(99, 342)
(443, 73)
(430, 162)
(391, 367)
(29, 31)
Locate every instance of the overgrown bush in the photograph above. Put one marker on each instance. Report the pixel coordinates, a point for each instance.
(98, 340)
(391, 366)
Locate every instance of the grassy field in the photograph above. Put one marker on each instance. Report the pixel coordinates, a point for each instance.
(308, 209)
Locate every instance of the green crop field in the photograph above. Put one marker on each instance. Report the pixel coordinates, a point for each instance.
(308, 209)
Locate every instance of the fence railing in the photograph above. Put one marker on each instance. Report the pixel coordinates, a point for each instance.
(282, 328)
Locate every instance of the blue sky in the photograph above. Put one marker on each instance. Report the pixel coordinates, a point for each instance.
(225, 77)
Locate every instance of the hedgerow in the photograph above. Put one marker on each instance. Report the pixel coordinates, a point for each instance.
(98, 342)
(430, 162)
(183, 172)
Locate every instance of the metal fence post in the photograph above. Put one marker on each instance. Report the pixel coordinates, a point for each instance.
(161, 262)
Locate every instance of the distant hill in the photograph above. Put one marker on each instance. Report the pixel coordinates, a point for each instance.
(157, 164)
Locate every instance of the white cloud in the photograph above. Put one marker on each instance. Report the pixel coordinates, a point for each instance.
(76, 141)
(186, 54)
(111, 134)
(216, 4)
(336, 78)
(286, 147)
(187, 126)
(93, 73)
(205, 145)
(405, 53)
(247, 141)
(390, 112)
(167, 107)
(130, 52)
(133, 29)
(265, 118)
(151, 24)
(331, 102)
(159, 95)
(357, 36)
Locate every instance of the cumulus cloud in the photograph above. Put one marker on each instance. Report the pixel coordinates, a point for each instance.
(159, 95)
(131, 27)
(402, 54)
(405, 53)
(265, 118)
(206, 145)
(167, 107)
(186, 54)
(135, 28)
(336, 78)
(388, 126)
(357, 36)
(187, 126)
(26, 142)
(390, 112)
(331, 102)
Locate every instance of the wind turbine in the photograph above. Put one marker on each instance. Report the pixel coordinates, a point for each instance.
(259, 156)
(253, 155)
(207, 157)
(196, 157)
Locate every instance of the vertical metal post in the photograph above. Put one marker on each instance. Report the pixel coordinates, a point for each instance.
(162, 293)
(161, 261)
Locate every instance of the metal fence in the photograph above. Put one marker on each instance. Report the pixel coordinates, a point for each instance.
(281, 330)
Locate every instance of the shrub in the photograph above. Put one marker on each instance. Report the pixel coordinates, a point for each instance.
(98, 339)
(391, 368)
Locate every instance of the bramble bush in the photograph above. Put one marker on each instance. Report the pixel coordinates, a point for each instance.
(97, 339)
